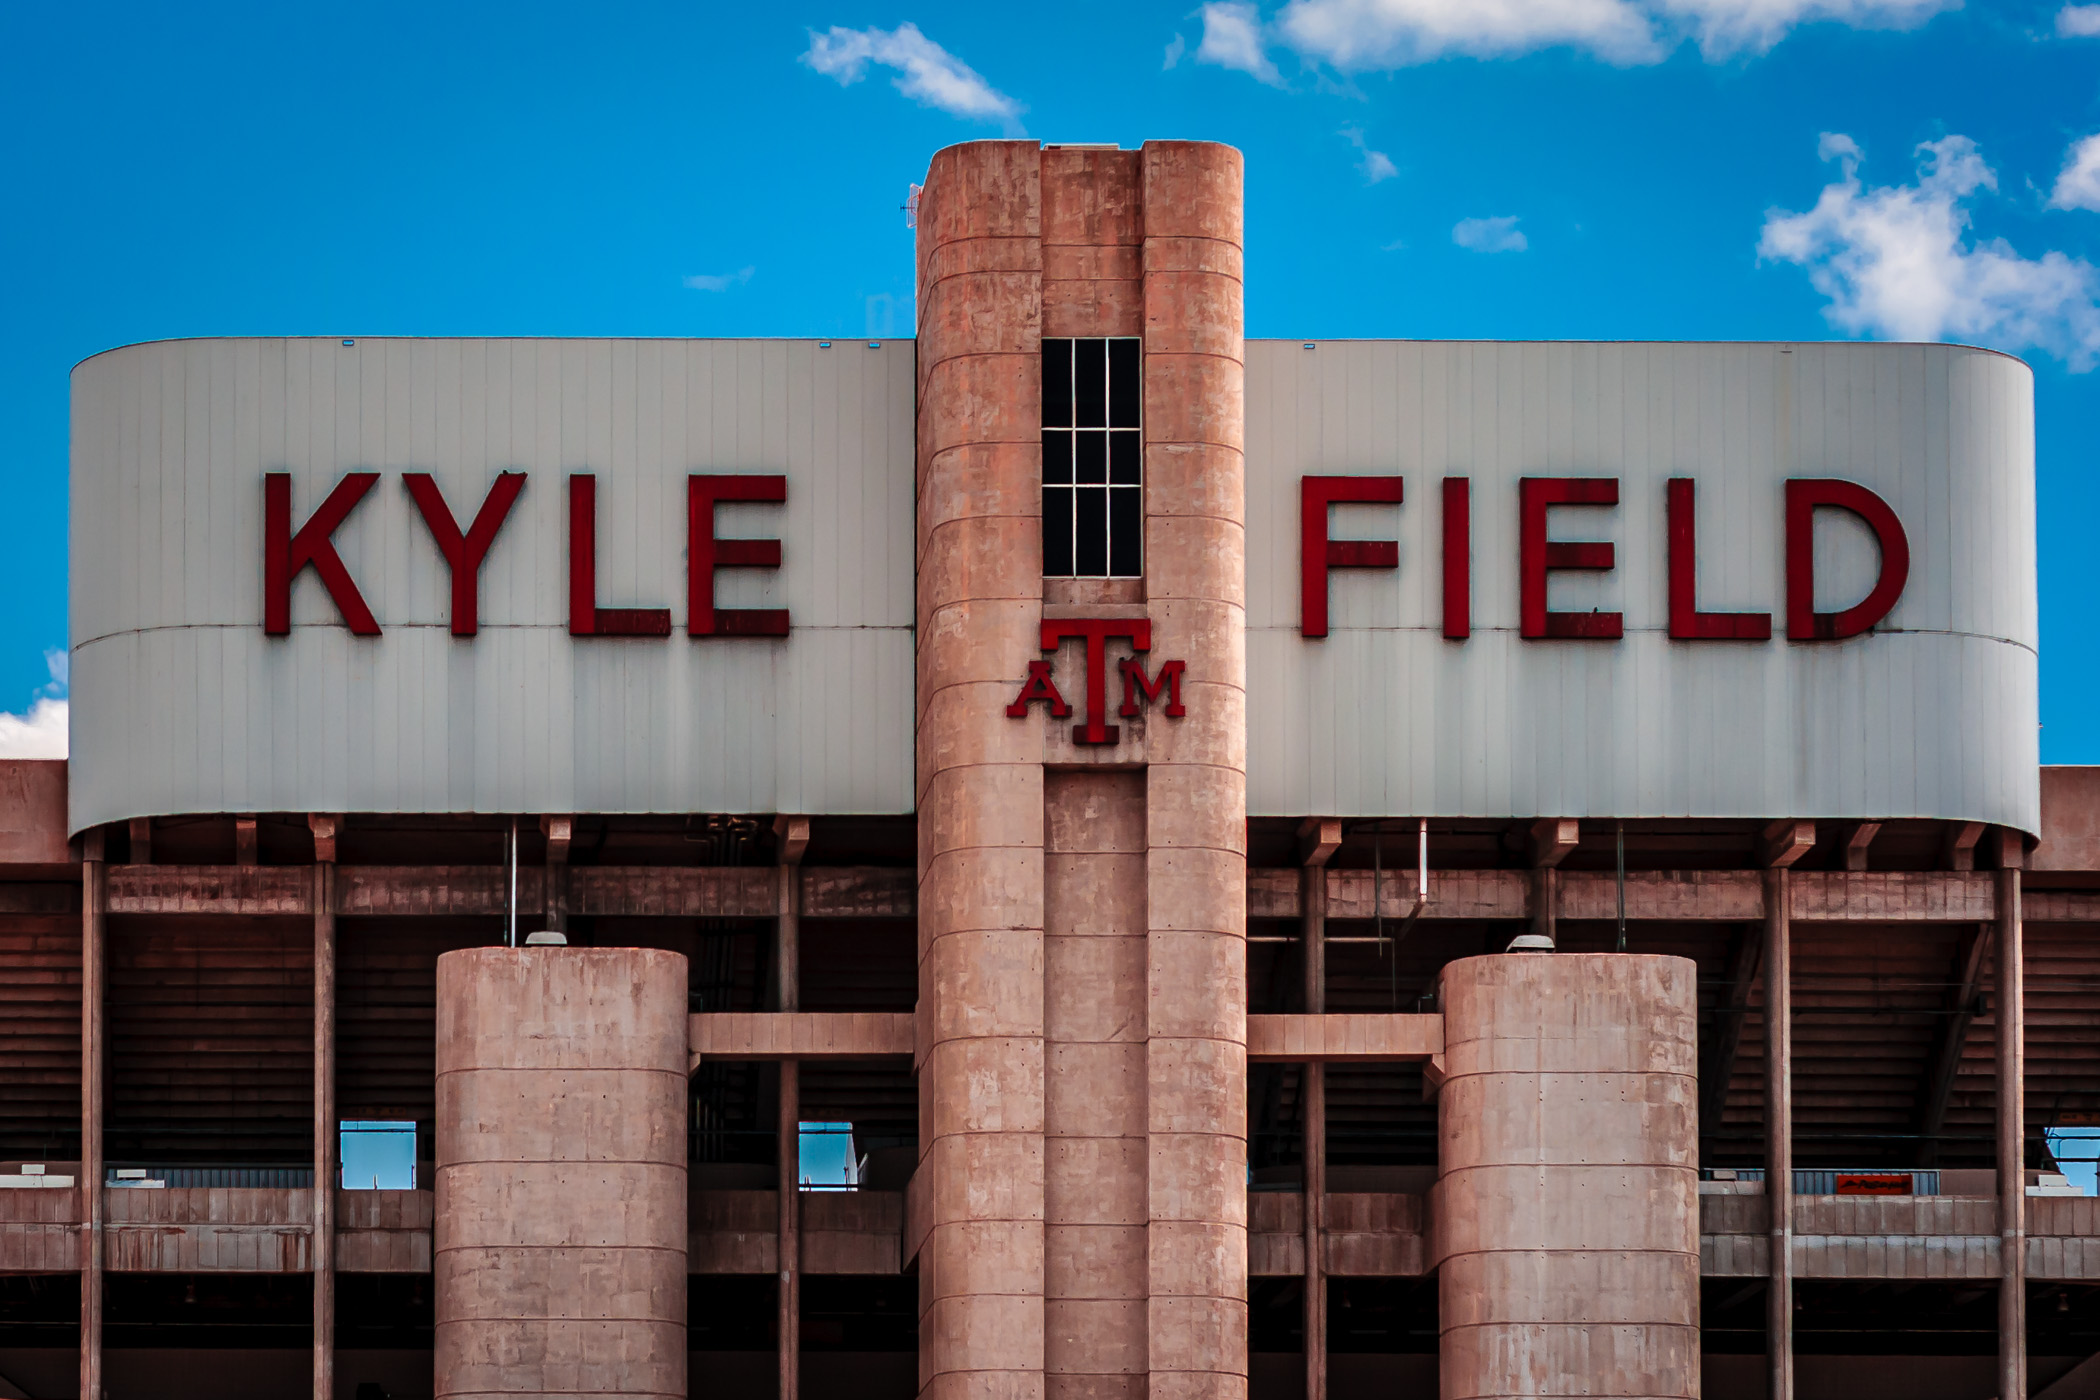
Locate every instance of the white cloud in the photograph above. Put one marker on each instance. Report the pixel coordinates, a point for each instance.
(1727, 27)
(1232, 38)
(1836, 145)
(1361, 34)
(2078, 186)
(1355, 35)
(1898, 261)
(41, 733)
(719, 282)
(1175, 49)
(1375, 165)
(926, 73)
(1496, 235)
(2078, 21)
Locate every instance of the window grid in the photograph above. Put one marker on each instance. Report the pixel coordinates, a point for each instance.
(1093, 476)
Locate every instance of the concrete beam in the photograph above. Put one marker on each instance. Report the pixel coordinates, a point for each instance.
(1785, 842)
(798, 1035)
(752, 892)
(1356, 1038)
(1960, 845)
(1551, 839)
(720, 892)
(1318, 839)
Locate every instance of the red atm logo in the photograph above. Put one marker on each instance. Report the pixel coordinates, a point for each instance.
(287, 551)
(1139, 688)
(1539, 556)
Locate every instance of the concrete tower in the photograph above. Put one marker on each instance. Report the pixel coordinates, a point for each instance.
(1080, 1205)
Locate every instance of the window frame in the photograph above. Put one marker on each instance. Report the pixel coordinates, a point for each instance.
(1093, 477)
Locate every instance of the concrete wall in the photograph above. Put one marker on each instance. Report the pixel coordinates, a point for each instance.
(560, 1257)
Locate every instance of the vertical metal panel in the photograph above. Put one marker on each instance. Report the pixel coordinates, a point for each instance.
(1933, 715)
(180, 703)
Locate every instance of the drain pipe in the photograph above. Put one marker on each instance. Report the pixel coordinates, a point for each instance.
(510, 903)
(1421, 882)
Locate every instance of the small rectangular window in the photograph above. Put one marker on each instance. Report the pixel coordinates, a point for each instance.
(378, 1156)
(1093, 455)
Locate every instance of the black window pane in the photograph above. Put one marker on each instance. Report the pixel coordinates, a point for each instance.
(1124, 395)
(1123, 456)
(1092, 458)
(1057, 383)
(1057, 459)
(1126, 531)
(1057, 531)
(1090, 382)
(1092, 531)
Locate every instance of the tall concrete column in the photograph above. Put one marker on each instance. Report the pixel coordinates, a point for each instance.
(1567, 1209)
(2011, 1012)
(1312, 904)
(94, 1080)
(1779, 1133)
(1196, 587)
(327, 1128)
(979, 1187)
(560, 1252)
(1081, 1191)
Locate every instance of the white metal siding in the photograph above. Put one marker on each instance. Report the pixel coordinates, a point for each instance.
(1935, 715)
(181, 704)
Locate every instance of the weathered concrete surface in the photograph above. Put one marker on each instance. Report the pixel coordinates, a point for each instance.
(977, 1198)
(560, 1257)
(1094, 1264)
(33, 812)
(2070, 820)
(1079, 1212)
(1567, 1213)
(1196, 789)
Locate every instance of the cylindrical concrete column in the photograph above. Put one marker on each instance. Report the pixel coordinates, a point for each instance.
(560, 1263)
(1567, 1213)
(979, 1186)
(1196, 813)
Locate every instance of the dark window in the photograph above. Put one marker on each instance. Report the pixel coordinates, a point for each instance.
(1093, 477)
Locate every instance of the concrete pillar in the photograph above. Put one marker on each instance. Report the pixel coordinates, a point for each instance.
(979, 1185)
(94, 1067)
(1567, 1209)
(2011, 1012)
(1779, 1133)
(1312, 903)
(327, 1128)
(1196, 587)
(560, 1262)
(1082, 986)
(792, 835)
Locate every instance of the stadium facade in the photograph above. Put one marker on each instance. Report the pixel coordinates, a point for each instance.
(1081, 855)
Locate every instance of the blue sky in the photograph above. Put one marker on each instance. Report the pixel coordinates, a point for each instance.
(1676, 169)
